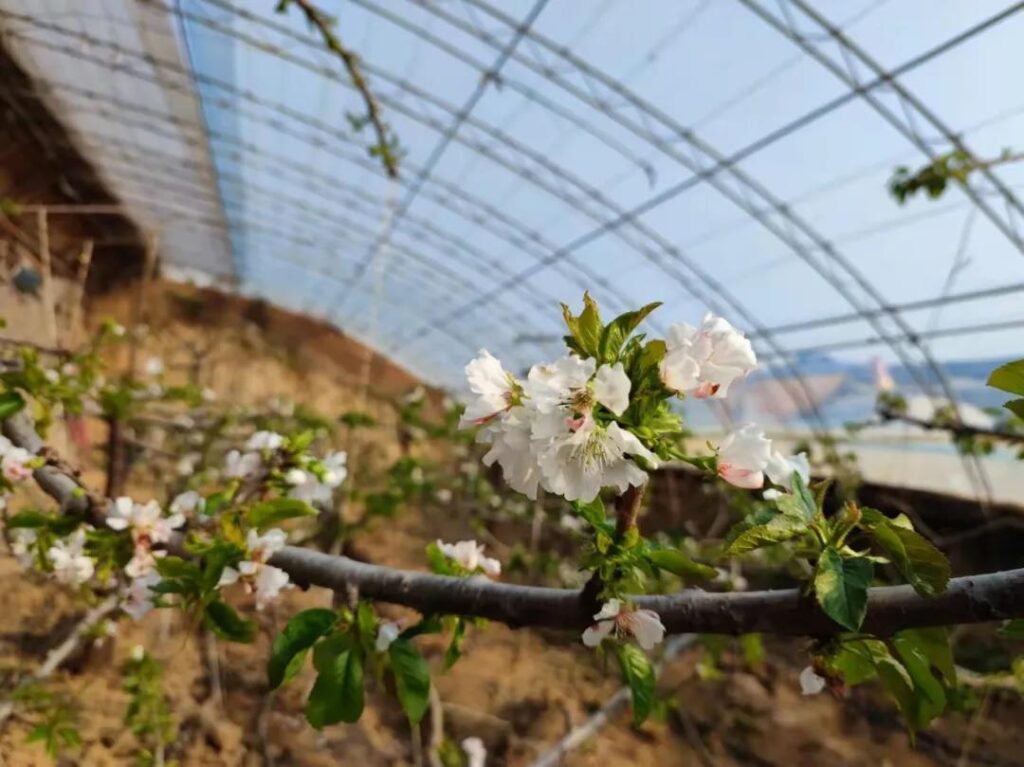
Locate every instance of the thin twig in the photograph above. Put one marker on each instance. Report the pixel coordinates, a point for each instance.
(324, 24)
(63, 651)
(577, 736)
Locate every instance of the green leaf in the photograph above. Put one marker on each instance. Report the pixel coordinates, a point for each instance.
(780, 528)
(1015, 406)
(855, 659)
(897, 682)
(929, 699)
(584, 330)
(618, 330)
(269, 513)
(806, 497)
(933, 644)
(28, 519)
(222, 619)
(177, 568)
(1009, 377)
(412, 678)
(301, 633)
(676, 562)
(337, 694)
(593, 513)
(924, 566)
(639, 677)
(10, 403)
(841, 586)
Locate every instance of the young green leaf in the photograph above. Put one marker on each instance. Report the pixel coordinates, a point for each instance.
(292, 644)
(269, 513)
(780, 528)
(618, 330)
(337, 694)
(223, 621)
(10, 403)
(924, 566)
(677, 563)
(841, 586)
(929, 699)
(1009, 378)
(933, 644)
(412, 678)
(639, 677)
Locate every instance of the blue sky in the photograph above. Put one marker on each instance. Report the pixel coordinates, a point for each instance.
(711, 66)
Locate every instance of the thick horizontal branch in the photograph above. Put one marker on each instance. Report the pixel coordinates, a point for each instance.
(971, 599)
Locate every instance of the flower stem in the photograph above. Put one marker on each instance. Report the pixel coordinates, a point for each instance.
(627, 508)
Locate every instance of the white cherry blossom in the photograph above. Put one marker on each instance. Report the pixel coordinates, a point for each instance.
(611, 387)
(494, 388)
(705, 361)
(578, 462)
(295, 477)
(146, 521)
(387, 633)
(335, 468)
(470, 555)
(264, 440)
(15, 464)
(258, 577)
(811, 683)
(619, 620)
(513, 449)
(71, 564)
(476, 752)
(23, 543)
(239, 465)
(743, 457)
(187, 504)
(780, 470)
(137, 598)
(154, 366)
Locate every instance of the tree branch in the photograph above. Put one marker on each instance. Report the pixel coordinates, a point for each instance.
(323, 24)
(971, 599)
(954, 428)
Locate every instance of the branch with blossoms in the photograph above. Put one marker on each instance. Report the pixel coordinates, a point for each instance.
(586, 427)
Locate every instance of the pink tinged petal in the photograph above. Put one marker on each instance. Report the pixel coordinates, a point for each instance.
(745, 478)
(647, 628)
(594, 635)
(611, 387)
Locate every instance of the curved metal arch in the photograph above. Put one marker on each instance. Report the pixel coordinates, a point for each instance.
(274, 107)
(183, 213)
(910, 105)
(720, 163)
(787, 229)
(325, 189)
(716, 288)
(559, 172)
(483, 218)
(428, 269)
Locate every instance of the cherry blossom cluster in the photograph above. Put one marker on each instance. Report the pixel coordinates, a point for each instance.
(562, 429)
(307, 479)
